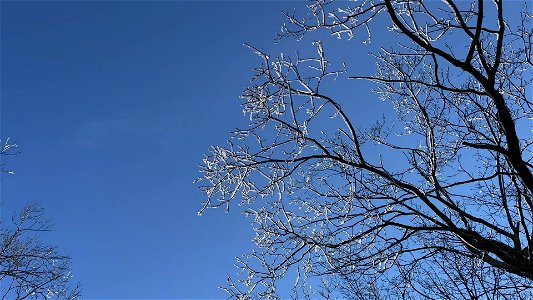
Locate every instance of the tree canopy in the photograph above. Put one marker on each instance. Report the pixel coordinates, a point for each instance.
(30, 268)
(436, 203)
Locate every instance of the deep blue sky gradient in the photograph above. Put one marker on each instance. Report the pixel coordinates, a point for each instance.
(113, 105)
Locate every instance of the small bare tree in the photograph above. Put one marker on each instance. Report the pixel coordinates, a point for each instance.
(435, 204)
(30, 269)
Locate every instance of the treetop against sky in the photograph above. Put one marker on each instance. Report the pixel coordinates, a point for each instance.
(114, 103)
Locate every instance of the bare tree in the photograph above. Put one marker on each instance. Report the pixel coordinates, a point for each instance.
(30, 269)
(436, 203)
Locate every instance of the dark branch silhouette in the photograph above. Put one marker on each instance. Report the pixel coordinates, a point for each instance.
(29, 268)
(437, 204)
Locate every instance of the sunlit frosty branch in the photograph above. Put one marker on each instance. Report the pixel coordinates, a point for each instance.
(437, 204)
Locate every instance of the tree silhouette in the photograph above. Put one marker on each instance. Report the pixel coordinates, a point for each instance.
(29, 268)
(434, 204)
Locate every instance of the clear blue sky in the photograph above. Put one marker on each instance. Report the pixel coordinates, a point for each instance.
(113, 105)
